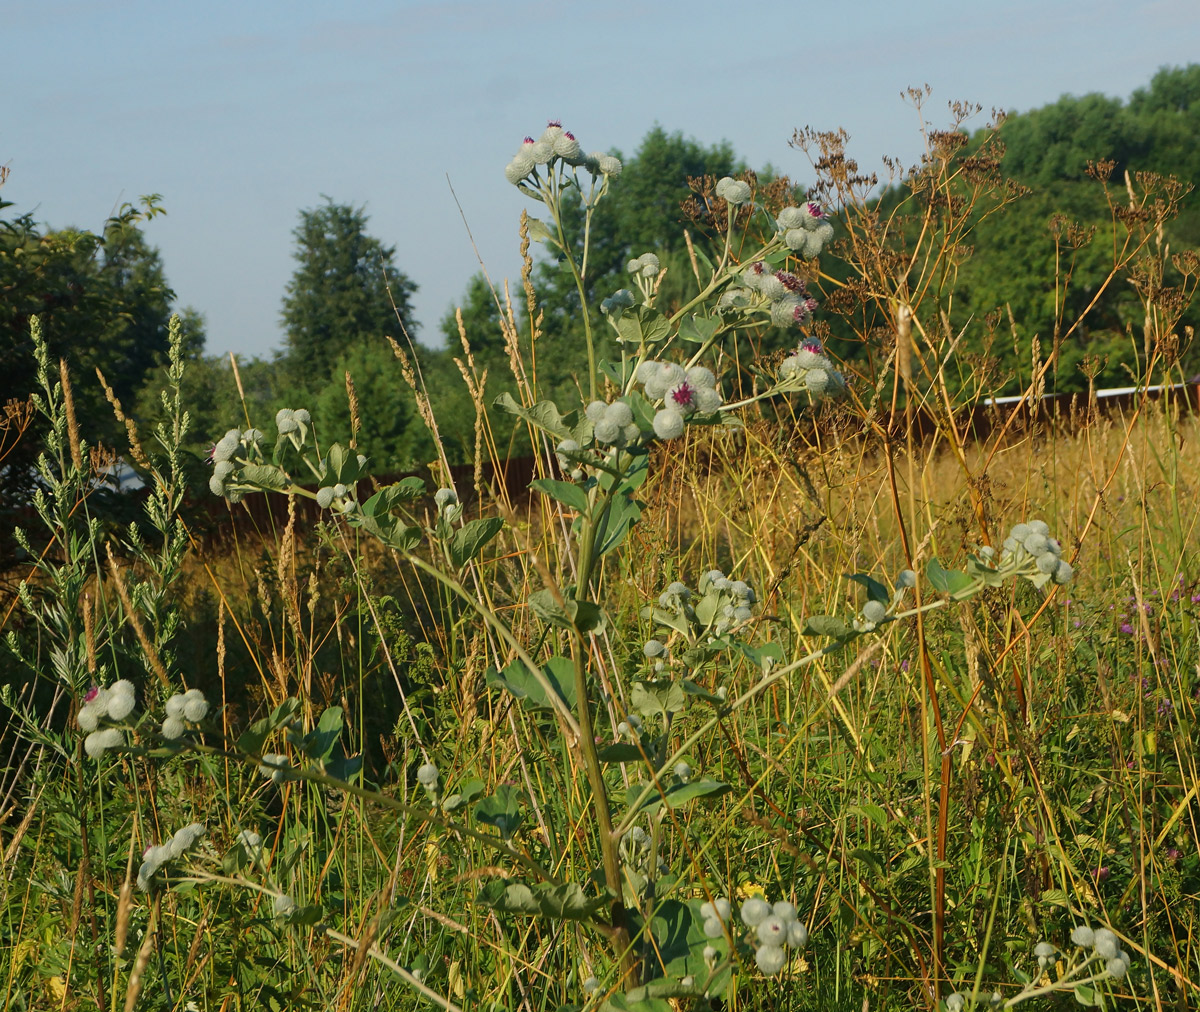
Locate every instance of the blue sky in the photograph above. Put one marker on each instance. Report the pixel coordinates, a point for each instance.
(240, 114)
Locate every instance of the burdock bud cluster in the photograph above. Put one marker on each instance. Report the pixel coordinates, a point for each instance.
(635, 847)
(567, 453)
(646, 266)
(155, 857)
(684, 392)
(809, 369)
(733, 191)
(236, 445)
(782, 293)
(556, 145)
(613, 424)
(183, 708)
(427, 777)
(734, 598)
(116, 702)
(294, 422)
(1034, 554)
(1105, 945)
(274, 767)
(772, 929)
(620, 300)
(873, 612)
(804, 229)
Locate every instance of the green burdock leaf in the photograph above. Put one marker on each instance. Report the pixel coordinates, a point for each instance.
(586, 616)
(827, 625)
(391, 496)
(266, 476)
(538, 231)
(517, 680)
(620, 752)
(562, 491)
(341, 466)
(252, 739)
(876, 591)
(697, 329)
(543, 415)
(947, 581)
(467, 541)
(392, 531)
(675, 796)
(642, 325)
(502, 810)
(318, 744)
(657, 698)
(614, 526)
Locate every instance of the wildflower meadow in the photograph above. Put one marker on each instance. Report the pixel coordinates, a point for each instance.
(803, 674)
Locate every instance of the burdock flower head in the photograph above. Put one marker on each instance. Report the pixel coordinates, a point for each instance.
(733, 191)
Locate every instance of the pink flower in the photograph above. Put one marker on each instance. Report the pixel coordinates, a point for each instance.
(790, 281)
(684, 395)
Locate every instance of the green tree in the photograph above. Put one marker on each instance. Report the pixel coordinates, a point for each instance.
(104, 303)
(338, 297)
(389, 431)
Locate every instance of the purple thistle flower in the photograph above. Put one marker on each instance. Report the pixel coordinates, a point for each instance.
(790, 281)
(684, 395)
(1126, 628)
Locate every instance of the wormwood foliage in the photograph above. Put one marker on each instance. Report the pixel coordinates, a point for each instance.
(709, 721)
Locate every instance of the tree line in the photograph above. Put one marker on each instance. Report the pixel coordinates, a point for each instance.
(105, 301)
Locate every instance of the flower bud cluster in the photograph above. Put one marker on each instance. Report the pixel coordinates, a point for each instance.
(155, 857)
(250, 842)
(565, 452)
(116, 702)
(635, 847)
(781, 293)
(772, 929)
(613, 424)
(235, 445)
(646, 266)
(804, 229)
(293, 422)
(274, 767)
(957, 1002)
(556, 145)
(734, 599)
(733, 191)
(684, 392)
(1105, 946)
(811, 370)
(1031, 551)
(427, 777)
(620, 300)
(183, 708)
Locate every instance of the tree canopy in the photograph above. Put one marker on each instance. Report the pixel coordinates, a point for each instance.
(342, 292)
